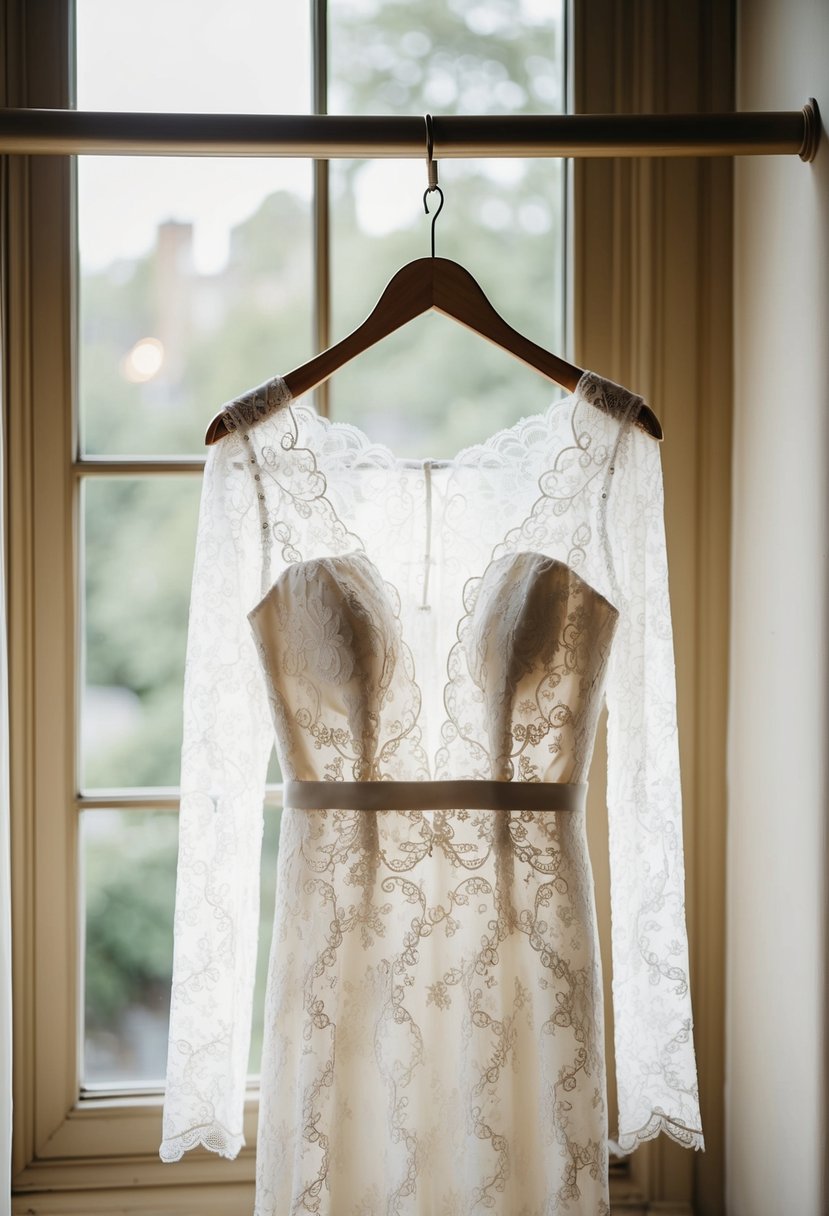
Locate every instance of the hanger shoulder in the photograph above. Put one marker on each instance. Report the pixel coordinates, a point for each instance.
(407, 294)
(446, 286)
(459, 295)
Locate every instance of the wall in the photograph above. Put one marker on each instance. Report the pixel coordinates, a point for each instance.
(777, 852)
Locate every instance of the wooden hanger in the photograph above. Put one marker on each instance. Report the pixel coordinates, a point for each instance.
(447, 287)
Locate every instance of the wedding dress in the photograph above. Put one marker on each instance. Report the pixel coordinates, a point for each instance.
(430, 643)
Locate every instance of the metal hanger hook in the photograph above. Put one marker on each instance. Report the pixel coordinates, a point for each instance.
(426, 194)
(432, 167)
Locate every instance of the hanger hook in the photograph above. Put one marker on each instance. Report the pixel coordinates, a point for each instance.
(432, 168)
(437, 213)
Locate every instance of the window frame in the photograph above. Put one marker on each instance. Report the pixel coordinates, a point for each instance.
(72, 1156)
(63, 1139)
(60, 1128)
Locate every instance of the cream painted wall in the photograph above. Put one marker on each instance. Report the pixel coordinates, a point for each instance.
(776, 1091)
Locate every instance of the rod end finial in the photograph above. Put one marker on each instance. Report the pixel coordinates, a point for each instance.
(811, 131)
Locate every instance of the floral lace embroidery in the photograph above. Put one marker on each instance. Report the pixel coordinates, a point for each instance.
(550, 575)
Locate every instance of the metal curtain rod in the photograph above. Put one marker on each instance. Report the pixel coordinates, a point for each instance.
(97, 133)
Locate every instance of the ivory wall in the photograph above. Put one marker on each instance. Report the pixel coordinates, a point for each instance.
(776, 1092)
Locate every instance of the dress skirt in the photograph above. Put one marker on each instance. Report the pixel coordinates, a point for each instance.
(433, 1023)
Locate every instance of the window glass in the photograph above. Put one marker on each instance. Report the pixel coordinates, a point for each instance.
(139, 536)
(432, 387)
(128, 873)
(196, 56)
(195, 272)
(196, 279)
(195, 284)
(461, 57)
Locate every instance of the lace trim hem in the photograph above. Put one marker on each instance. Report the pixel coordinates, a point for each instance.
(211, 1136)
(688, 1137)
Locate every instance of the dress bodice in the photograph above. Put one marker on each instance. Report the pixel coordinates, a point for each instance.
(342, 690)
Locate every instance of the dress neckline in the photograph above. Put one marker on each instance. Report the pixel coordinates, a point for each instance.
(273, 395)
(381, 454)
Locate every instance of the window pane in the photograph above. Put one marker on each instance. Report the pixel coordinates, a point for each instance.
(139, 535)
(432, 387)
(195, 284)
(466, 57)
(193, 55)
(128, 866)
(195, 272)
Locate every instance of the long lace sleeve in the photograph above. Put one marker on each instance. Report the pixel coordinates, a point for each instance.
(227, 740)
(655, 1065)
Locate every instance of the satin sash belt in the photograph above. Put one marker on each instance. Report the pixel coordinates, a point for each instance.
(436, 795)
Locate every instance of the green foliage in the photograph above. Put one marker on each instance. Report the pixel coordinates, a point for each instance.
(139, 535)
(130, 883)
(462, 57)
(129, 869)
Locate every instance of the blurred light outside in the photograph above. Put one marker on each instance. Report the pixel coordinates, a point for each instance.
(144, 360)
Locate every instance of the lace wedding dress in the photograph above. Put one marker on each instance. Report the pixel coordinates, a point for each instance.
(430, 643)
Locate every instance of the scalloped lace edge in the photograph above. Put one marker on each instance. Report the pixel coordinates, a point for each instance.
(688, 1137)
(371, 451)
(212, 1136)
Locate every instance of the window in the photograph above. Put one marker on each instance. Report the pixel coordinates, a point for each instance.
(191, 280)
(193, 275)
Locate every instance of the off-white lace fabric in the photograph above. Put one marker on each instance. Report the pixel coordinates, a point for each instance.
(433, 1023)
